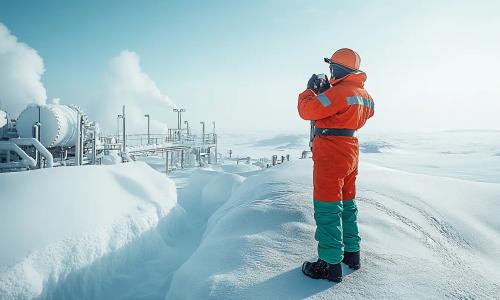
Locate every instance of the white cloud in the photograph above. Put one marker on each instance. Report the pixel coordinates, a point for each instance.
(126, 84)
(20, 70)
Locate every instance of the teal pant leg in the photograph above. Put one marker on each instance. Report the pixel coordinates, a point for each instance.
(350, 226)
(328, 217)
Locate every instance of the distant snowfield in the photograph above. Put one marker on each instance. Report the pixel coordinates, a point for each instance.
(238, 232)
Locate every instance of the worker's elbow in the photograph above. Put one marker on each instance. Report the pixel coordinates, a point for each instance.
(304, 115)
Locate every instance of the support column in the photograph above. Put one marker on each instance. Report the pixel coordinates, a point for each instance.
(182, 159)
(166, 162)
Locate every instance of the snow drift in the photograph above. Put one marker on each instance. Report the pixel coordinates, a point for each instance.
(423, 236)
(66, 229)
(122, 235)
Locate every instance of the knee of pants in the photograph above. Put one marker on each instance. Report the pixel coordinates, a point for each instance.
(332, 208)
(349, 204)
(349, 187)
(350, 210)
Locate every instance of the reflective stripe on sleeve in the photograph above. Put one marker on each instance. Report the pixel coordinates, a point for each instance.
(324, 100)
(361, 101)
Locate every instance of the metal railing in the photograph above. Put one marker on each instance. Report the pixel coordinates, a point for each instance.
(174, 137)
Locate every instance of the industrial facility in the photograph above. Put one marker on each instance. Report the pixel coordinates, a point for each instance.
(55, 135)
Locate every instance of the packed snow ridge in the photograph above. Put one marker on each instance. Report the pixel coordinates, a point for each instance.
(118, 232)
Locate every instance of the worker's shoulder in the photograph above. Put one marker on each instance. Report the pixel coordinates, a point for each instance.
(340, 90)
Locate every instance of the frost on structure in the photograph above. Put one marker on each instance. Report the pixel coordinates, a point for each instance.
(59, 124)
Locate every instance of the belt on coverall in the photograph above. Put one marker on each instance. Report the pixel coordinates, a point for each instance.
(334, 131)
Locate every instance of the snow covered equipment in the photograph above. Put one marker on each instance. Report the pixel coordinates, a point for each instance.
(351, 259)
(322, 270)
(337, 113)
(3, 118)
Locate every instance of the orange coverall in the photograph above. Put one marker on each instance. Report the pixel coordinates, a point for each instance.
(345, 105)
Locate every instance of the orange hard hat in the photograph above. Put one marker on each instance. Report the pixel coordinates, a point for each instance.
(345, 57)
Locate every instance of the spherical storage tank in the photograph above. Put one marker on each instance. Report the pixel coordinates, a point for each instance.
(58, 124)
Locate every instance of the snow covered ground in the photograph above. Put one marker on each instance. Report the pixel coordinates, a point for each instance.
(428, 206)
(64, 231)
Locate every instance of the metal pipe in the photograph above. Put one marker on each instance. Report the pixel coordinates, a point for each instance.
(36, 135)
(166, 163)
(78, 139)
(179, 121)
(118, 128)
(203, 132)
(82, 138)
(124, 134)
(182, 159)
(49, 159)
(149, 139)
(187, 127)
(27, 160)
(94, 146)
(215, 140)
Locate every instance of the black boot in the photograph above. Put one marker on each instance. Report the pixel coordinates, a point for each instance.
(351, 259)
(322, 270)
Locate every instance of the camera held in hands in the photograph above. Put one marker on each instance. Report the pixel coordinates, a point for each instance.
(318, 83)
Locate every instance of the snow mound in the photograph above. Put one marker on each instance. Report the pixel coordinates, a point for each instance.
(284, 141)
(423, 236)
(218, 190)
(112, 158)
(65, 229)
(117, 232)
(375, 146)
(240, 168)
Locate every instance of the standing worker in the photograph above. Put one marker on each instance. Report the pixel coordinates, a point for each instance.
(338, 107)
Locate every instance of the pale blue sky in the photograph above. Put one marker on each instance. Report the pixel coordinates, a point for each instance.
(430, 64)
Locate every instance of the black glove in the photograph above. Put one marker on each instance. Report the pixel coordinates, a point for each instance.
(318, 83)
(312, 84)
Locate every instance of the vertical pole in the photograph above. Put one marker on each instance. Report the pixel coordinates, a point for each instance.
(124, 142)
(78, 139)
(39, 123)
(118, 128)
(149, 138)
(166, 162)
(36, 136)
(179, 120)
(187, 127)
(215, 139)
(203, 132)
(82, 137)
(94, 147)
(171, 159)
(182, 159)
